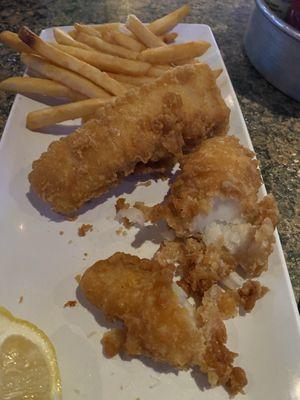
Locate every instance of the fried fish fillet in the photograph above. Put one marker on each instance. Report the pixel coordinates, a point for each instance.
(215, 199)
(158, 320)
(152, 123)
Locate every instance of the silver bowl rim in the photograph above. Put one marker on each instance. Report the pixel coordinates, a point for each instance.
(288, 29)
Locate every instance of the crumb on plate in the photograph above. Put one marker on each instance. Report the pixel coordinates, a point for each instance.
(121, 232)
(84, 229)
(70, 303)
(127, 224)
(146, 184)
(121, 204)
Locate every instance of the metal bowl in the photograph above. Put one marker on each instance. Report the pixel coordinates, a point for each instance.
(273, 47)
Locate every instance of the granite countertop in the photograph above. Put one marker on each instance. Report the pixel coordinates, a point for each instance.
(272, 118)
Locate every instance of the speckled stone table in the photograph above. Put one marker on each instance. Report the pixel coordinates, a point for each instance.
(272, 118)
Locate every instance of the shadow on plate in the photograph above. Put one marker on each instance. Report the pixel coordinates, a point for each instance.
(156, 234)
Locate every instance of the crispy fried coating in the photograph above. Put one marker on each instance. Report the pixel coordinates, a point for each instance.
(219, 175)
(158, 322)
(219, 167)
(152, 123)
(199, 266)
(218, 359)
(249, 293)
(139, 292)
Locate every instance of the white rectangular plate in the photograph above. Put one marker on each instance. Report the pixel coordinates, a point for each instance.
(40, 264)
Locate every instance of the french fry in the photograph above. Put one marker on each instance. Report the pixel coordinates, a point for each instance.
(141, 31)
(72, 33)
(64, 38)
(89, 30)
(106, 62)
(45, 87)
(108, 37)
(128, 85)
(12, 40)
(174, 52)
(169, 37)
(158, 70)
(86, 118)
(168, 22)
(133, 80)
(186, 61)
(64, 76)
(52, 115)
(110, 26)
(127, 41)
(105, 47)
(67, 61)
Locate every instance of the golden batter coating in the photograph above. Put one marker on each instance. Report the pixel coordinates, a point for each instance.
(215, 200)
(152, 123)
(158, 321)
(218, 168)
(199, 266)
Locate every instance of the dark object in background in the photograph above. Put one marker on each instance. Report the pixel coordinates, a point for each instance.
(293, 16)
(280, 7)
(273, 47)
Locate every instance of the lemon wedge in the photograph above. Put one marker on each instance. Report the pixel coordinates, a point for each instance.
(28, 365)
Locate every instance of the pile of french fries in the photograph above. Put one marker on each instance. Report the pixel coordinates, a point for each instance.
(92, 64)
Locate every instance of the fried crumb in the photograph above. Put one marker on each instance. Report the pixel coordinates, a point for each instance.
(21, 300)
(121, 204)
(91, 334)
(127, 224)
(70, 303)
(84, 229)
(77, 278)
(119, 231)
(146, 184)
(250, 292)
(61, 233)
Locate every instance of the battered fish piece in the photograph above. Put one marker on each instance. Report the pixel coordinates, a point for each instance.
(215, 200)
(152, 123)
(158, 321)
